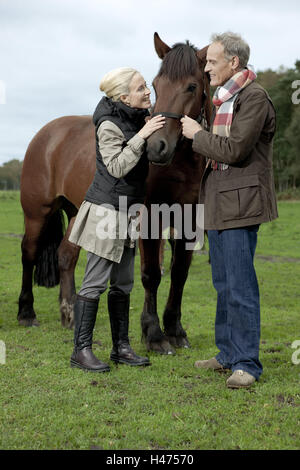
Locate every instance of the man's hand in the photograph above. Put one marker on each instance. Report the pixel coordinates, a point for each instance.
(189, 127)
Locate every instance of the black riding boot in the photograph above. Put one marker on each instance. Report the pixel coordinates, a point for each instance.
(85, 313)
(118, 307)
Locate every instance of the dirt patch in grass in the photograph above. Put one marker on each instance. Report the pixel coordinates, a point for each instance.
(278, 259)
(11, 235)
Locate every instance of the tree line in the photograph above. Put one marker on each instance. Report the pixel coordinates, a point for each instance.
(10, 175)
(283, 87)
(279, 84)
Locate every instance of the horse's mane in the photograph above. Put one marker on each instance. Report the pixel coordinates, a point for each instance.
(181, 61)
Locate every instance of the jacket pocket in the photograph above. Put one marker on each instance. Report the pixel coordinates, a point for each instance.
(240, 198)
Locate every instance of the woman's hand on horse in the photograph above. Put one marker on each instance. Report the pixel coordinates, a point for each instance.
(190, 127)
(152, 125)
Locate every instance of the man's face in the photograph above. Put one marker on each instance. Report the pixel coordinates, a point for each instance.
(218, 67)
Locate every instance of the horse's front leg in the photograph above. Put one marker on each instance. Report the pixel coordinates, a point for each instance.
(151, 276)
(173, 329)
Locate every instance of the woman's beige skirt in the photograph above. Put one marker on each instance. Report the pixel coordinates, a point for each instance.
(96, 229)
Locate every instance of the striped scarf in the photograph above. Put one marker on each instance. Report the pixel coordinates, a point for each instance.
(223, 100)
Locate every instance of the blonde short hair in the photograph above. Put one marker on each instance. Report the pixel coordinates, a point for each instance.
(116, 82)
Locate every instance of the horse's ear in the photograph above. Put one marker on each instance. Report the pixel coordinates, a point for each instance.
(202, 54)
(161, 48)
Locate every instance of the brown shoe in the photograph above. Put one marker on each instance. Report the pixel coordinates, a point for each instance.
(210, 364)
(240, 379)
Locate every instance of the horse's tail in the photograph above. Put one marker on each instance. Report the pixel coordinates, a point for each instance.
(46, 267)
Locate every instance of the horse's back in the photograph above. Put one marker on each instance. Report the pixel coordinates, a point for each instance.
(59, 161)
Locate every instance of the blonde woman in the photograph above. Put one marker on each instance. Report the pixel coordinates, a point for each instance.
(122, 167)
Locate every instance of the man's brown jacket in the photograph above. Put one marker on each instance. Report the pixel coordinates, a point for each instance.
(244, 194)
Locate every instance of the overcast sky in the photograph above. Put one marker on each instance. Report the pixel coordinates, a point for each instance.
(53, 53)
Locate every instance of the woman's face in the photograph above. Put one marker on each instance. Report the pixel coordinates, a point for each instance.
(139, 93)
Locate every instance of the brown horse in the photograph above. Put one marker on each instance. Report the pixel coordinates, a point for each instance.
(181, 88)
(58, 167)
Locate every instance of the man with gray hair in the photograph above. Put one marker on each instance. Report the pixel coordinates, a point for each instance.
(238, 193)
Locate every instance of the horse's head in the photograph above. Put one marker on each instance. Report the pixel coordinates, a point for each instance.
(181, 87)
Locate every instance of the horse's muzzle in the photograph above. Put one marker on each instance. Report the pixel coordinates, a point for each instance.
(159, 152)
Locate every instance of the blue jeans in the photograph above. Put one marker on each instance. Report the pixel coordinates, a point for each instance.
(237, 325)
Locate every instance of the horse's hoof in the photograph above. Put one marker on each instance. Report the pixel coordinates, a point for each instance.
(28, 322)
(67, 323)
(179, 342)
(67, 314)
(163, 347)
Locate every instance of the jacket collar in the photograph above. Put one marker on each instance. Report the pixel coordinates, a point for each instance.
(107, 107)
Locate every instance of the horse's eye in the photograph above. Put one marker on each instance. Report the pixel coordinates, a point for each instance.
(191, 88)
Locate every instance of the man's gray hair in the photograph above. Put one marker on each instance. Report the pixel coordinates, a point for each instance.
(233, 44)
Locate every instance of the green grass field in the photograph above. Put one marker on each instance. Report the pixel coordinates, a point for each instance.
(171, 405)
